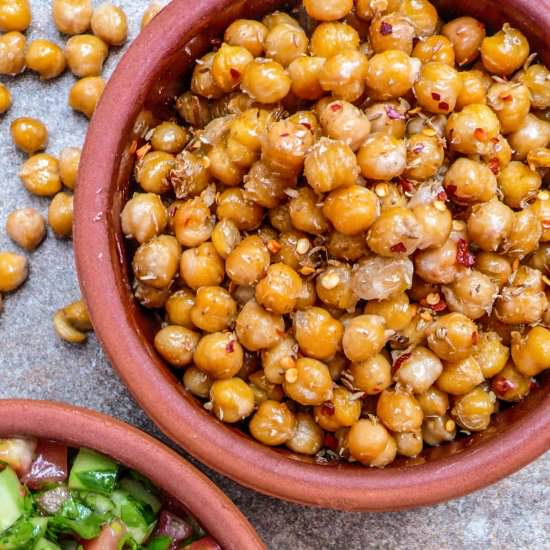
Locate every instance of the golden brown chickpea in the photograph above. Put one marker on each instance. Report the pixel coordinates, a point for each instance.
(109, 23)
(278, 290)
(229, 65)
(5, 99)
(525, 234)
(418, 370)
(438, 429)
(176, 344)
(266, 81)
(263, 389)
(153, 170)
(219, 355)
(452, 337)
(189, 174)
(500, 154)
(399, 411)
(277, 359)
(273, 423)
(328, 10)
(466, 35)
(433, 402)
(85, 94)
(86, 54)
(248, 34)
(232, 400)
(366, 439)
(460, 377)
(490, 224)
(149, 297)
(396, 232)
(169, 137)
(438, 265)
(26, 227)
(333, 287)
(304, 74)
(12, 53)
(155, 262)
(276, 18)
(15, 15)
(438, 87)
(346, 247)
(473, 410)
(29, 134)
(530, 352)
(392, 74)
(425, 155)
(392, 31)
(493, 265)
(511, 103)
(387, 117)
(343, 74)
(257, 328)
(213, 310)
(371, 376)
(285, 42)
(318, 334)
(343, 410)
(397, 311)
(202, 81)
(382, 157)
(367, 9)
(193, 222)
(364, 337)
(197, 382)
(69, 160)
(266, 188)
(422, 14)
(535, 78)
(222, 166)
(60, 215)
(178, 308)
(201, 266)
(308, 382)
(143, 217)
(379, 278)
(435, 48)
(307, 296)
(345, 122)
(471, 130)
(330, 38)
(40, 175)
(45, 58)
(72, 16)
(308, 436)
(475, 84)
(306, 214)
(540, 259)
(504, 52)
(519, 184)
(408, 443)
(510, 385)
(290, 242)
(387, 456)
(435, 220)
(14, 270)
(247, 263)
(225, 237)
(532, 133)
(469, 181)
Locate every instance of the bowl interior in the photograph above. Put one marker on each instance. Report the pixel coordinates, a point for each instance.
(104, 275)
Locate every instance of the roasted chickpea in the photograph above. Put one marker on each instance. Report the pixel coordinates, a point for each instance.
(473, 410)
(178, 308)
(318, 334)
(435, 220)
(391, 73)
(232, 400)
(490, 224)
(5, 99)
(189, 174)
(276, 18)
(69, 160)
(346, 247)
(382, 157)
(397, 311)
(153, 170)
(201, 266)
(197, 382)
(12, 53)
(60, 215)
(176, 344)
(466, 35)
(333, 287)
(367, 9)
(469, 181)
(330, 38)
(541, 207)
(213, 309)
(540, 259)
(225, 237)
(144, 217)
(535, 77)
(14, 270)
(387, 117)
(304, 74)
(423, 15)
(433, 402)
(273, 423)
(371, 376)
(156, 261)
(330, 10)
(452, 337)
(247, 263)
(392, 31)
(194, 109)
(399, 411)
(532, 133)
(72, 16)
(518, 184)
(193, 222)
(306, 214)
(435, 48)
(504, 52)
(29, 134)
(285, 42)
(45, 58)
(364, 337)
(438, 87)
(418, 370)
(219, 355)
(40, 175)
(15, 15)
(511, 103)
(26, 227)
(85, 94)
(460, 377)
(438, 265)
(366, 439)
(343, 410)
(438, 429)
(86, 54)
(264, 187)
(525, 234)
(266, 81)
(202, 81)
(379, 278)
(343, 74)
(109, 23)
(521, 303)
(530, 351)
(222, 166)
(169, 137)
(425, 155)
(408, 443)
(308, 436)
(278, 290)
(475, 84)
(229, 65)
(394, 233)
(258, 328)
(248, 34)
(509, 384)
(308, 382)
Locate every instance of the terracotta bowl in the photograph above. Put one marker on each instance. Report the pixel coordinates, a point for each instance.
(149, 76)
(79, 427)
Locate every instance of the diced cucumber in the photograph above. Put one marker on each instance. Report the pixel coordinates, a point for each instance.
(92, 471)
(98, 503)
(11, 498)
(137, 516)
(140, 492)
(45, 544)
(159, 543)
(23, 534)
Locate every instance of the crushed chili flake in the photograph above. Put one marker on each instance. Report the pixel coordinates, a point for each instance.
(331, 442)
(399, 248)
(327, 408)
(475, 338)
(230, 347)
(286, 134)
(306, 124)
(133, 147)
(463, 255)
(440, 306)
(274, 246)
(336, 107)
(443, 105)
(442, 196)
(494, 165)
(507, 97)
(481, 134)
(436, 96)
(234, 73)
(393, 114)
(501, 385)
(385, 28)
(546, 224)
(407, 185)
(399, 361)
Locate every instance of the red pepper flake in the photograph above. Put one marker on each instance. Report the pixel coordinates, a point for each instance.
(336, 107)
(436, 96)
(494, 165)
(442, 196)
(234, 73)
(230, 347)
(327, 408)
(440, 306)
(546, 224)
(393, 114)
(506, 98)
(463, 255)
(385, 28)
(398, 248)
(306, 124)
(399, 361)
(418, 148)
(331, 442)
(481, 134)
(286, 134)
(475, 338)
(451, 189)
(501, 385)
(406, 185)
(443, 105)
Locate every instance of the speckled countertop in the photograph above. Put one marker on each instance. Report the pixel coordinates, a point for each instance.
(512, 514)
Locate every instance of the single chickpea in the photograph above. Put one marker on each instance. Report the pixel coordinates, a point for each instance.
(12, 53)
(285, 42)
(5, 99)
(392, 31)
(273, 423)
(366, 439)
(510, 385)
(178, 308)
(176, 344)
(304, 74)
(197, 382)
(387, 456)
(60, 215)
(72, 16)
(264, 187)
(466, 34)
(418, 370)
(109, 23)
(318, 334)
(460, 377)
(364, 337)
(423, 15)
(504, 52)
(519, 184)
(69, 160)
(525, 235)
(15, 15)
(435, 48)
(382, 157)
(29, 134)
(201, 266)
(425, 156)
(438, 87)
(202, 81)
(346, 247)
(333, 287)
(14, 270)
(189, 174)
(306, 213)
(330, 10)
(530, 351)
(394, 233)
(387, 117)
(213, 310)
(229, 65)
(475, 85)
(149, 297)
(343, 410)
(247, 263)
(232, 400)
(247, 33)
(469, 181)
(511, 103)
(371, 376)
(86, 54)
(330, 38)
(473, 410)
(452, 337)
(155, 262)
(396, 311)
(490, 224)
(266, 81)
(343, 74)
(438, 429)
(532, 133)
(193, 222)
(85, 94)
(308, 436)
(153, 170)
(408, 443)
(258, 328)
(279, 289)
(433, 402)
(194, 109)
(399, 411)
(277, 17)
(308, 382)
(535, 77)
(219, 355)
(144, 217)
(26, 227)
(45, 58)
(40, 175)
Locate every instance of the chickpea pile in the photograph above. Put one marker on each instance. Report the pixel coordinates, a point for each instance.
(345, 225)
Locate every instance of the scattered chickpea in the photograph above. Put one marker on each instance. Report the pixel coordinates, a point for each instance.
(12, 53)
(85, 94)
(29, 134)
(40, 175)
(86, 54)
(5, 99)
(15, 15)
(110, 24)
(69, 160)
(60, 215)
(26, 227)
(13, 271)
(72, 16)
(45, 58)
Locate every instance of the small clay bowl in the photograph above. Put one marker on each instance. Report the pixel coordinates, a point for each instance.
(149, 76)
(78, 427)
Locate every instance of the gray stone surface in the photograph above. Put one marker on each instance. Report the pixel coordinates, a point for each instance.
(33, 363)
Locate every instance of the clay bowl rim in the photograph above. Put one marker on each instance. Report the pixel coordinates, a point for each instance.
(216, 445)
(80, 427)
